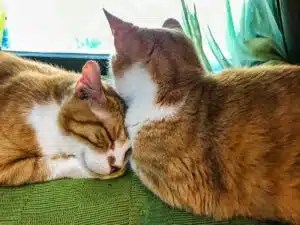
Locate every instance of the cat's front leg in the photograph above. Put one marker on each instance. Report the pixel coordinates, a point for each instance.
(67, 167)
(40, 169)
(156, 183)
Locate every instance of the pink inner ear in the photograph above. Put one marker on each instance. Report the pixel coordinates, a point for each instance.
(89, 86)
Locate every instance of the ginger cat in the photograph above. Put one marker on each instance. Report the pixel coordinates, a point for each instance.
(57, 124)
(225, 145)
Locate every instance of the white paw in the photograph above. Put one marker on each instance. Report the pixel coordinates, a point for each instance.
(69, 167)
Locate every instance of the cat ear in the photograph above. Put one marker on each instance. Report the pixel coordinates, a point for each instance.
(119, 29)
(89, 86)
(172, 24)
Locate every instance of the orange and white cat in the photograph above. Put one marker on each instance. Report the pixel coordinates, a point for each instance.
(57, 124)
(223, 146)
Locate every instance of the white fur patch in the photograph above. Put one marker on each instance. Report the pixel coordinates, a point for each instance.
(67, 168)
(97, 162)
(100, 164)
(43, 118)
(132, 164)
(119, 153)
(139, 92)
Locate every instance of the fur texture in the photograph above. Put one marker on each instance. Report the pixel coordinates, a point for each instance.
(56, 124)
(223, 146)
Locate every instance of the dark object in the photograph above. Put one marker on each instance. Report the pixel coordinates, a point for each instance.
(290, 16)
(69, 61)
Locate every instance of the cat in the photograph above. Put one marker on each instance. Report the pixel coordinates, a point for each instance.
(223, 146)
(57, 124)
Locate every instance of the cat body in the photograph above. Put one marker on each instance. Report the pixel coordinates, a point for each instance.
(223, 146)
(52, 126)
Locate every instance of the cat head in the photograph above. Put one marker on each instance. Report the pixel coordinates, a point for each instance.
(165, 54)
(95, 113)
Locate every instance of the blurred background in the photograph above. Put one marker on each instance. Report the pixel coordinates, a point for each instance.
(226, 33)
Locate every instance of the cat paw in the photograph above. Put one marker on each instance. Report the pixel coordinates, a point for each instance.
(69, 167)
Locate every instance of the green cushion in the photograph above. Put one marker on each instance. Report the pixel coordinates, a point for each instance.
(113, 202)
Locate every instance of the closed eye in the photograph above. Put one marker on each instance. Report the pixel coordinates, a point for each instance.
(101, 140)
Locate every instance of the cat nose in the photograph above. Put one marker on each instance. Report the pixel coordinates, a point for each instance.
(111, 160)
(114, 169)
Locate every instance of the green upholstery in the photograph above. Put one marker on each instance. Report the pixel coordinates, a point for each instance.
(114, 202)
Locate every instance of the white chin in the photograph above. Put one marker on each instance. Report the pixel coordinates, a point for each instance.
(96, 162)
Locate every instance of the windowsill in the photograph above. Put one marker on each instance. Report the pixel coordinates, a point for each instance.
(61, 55)
(69, 61)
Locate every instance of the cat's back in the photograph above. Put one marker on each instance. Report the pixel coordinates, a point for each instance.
(24, 85)
(247, 124)
(259, 100)
(12, 66)
(262, 90)
(279, 79)
(9, 66)
(23, 80)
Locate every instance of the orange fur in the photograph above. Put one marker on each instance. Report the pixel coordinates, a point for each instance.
(24, 84)
(233, 146)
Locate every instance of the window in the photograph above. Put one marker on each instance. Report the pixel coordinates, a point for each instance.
(77, 26)
(65, 28)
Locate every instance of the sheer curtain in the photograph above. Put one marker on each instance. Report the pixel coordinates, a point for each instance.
(235, 33)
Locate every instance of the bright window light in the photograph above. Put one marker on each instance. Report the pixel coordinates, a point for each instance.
(78, 26)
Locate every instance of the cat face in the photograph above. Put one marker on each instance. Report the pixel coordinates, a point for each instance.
(94, 114)
(157, 52)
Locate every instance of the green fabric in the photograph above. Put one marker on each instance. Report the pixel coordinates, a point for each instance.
(86, 202)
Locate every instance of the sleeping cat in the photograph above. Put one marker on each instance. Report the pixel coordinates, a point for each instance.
(223, 146)
(57, 124)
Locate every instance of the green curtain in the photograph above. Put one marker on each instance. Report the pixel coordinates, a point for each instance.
(253, 32)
